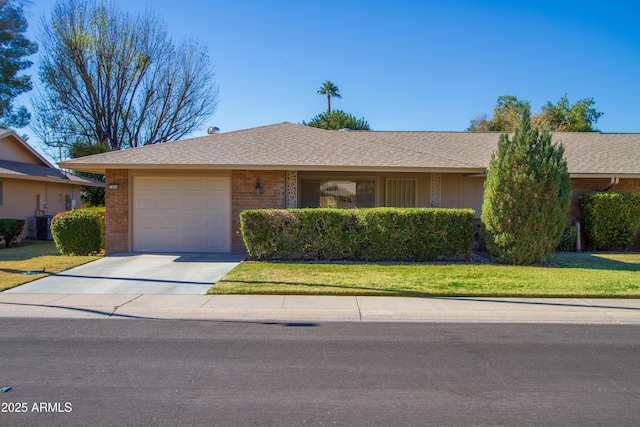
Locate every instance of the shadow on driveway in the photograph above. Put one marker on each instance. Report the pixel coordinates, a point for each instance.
(139, 274)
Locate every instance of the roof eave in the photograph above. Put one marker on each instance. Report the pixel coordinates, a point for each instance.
(102, 168)
(51, 179)
(606, 175)
(583, 175)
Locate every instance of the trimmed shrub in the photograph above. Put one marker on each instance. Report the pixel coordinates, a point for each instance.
(377, 234)
(612, 219)
(527, 194)
(77, 232)
(10, 229)
(568, 239)
(100, 210)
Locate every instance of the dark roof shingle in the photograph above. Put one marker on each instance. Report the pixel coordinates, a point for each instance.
(17, 170)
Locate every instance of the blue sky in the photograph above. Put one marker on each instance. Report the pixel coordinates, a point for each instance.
(407, 65)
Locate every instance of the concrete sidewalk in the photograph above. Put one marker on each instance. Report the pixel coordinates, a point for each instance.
(279, 308)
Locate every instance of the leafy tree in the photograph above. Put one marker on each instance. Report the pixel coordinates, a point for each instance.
(527, 194)
(337, 120)
(14, 46)
(115, 78)
(91, 196)
(331, 90)
(579, 117)
(506, 116)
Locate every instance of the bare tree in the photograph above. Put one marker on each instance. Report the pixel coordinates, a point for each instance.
(117, 79)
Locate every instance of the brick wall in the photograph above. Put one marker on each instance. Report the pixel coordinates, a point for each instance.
(630, 184)
(581, 186)
(117, 213)
(243, 196)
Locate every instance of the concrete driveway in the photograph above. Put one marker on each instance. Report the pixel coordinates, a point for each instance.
(138, 274)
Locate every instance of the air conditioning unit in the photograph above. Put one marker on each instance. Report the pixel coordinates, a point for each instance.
(43, 227)
(30, 228)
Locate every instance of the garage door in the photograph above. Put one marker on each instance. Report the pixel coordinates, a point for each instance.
(181, 214)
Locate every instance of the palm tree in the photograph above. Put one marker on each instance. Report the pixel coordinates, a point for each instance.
(329, 89)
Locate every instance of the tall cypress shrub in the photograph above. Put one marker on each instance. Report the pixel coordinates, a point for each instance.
(527, 194)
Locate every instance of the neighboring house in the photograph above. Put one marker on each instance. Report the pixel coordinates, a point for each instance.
(186, 196)
(32, 187)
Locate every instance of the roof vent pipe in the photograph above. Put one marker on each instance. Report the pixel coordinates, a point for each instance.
(213, 130)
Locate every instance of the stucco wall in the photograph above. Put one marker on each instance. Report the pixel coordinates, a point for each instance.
(20, 198)
(15, 152)
(460, 191)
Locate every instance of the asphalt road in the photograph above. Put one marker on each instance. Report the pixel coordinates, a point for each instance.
(156, 373)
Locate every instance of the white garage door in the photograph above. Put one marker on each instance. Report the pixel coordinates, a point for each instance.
(181, 214)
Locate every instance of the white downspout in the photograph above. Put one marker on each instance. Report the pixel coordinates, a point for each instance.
(614, 181)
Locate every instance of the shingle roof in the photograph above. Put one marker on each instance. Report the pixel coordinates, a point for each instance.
(17, 170)
(292, 146)
(601, 153)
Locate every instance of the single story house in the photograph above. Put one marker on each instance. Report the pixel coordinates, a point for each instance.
(186, 196)
(30, 186)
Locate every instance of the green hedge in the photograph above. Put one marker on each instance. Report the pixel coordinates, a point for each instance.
(77, 232)
(10, 229)
(102, 211)
(379, 234)
(612, 219)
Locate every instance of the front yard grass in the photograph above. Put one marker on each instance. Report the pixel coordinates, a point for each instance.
(602, 275)
(19, 263)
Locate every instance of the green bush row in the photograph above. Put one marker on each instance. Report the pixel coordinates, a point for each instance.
(612, 219)
(10, 229)
(78, 232)
(378, 234)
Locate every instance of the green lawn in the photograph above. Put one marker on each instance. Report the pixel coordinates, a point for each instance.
(569, 275)
(18, 263)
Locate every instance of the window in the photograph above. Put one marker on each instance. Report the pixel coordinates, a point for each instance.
(401, 193)
(338, 194)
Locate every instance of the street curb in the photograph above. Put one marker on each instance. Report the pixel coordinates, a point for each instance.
(296, 308)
